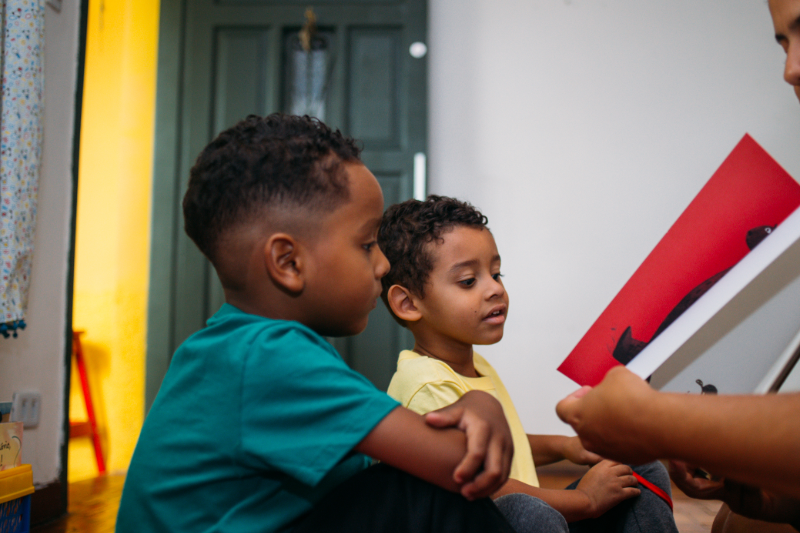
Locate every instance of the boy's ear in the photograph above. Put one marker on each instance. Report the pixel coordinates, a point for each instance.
(284, 261)
(403, 304)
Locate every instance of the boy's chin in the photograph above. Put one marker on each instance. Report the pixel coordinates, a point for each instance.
(488, 340)
(343, 330)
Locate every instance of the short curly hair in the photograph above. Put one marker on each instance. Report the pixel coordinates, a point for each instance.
(263, 162)
(406, 231)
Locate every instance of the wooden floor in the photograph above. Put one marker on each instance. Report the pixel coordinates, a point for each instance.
(93, 506)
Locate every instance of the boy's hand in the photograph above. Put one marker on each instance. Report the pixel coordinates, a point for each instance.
(745, 500)
(490, 448)
(574, 451)
(608, 417)
(605, 485)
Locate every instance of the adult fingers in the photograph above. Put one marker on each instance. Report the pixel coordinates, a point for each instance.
(567, 408)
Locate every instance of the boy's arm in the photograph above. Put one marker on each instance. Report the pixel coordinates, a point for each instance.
(547, 449)
(603, 487)
(473, 457)
(752, 439)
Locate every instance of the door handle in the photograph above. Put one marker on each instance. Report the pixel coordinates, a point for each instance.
(420, 177)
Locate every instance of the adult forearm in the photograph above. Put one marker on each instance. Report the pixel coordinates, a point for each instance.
(752, 439)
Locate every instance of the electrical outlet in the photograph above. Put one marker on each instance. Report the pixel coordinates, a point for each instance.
(25, 408)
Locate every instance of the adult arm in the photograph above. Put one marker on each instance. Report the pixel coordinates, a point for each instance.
(751, 439)
(479, 437)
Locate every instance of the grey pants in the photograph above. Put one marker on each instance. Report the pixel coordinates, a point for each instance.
(647, 513)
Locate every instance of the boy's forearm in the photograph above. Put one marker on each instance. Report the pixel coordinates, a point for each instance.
(574, 505)
(473, 459)
(547, 449)
(404, 441)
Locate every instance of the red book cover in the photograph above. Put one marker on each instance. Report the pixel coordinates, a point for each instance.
(745, 199)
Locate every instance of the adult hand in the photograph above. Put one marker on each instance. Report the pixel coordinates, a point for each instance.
(744, 500)
(695, 486)
(609, 418)
(490, 448)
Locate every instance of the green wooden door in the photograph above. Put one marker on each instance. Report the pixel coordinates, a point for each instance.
(220, 60)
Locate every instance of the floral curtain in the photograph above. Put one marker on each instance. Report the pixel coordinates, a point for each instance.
(21, 116)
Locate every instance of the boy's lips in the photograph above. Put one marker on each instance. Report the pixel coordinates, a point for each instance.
(377, 297)
(497, 315)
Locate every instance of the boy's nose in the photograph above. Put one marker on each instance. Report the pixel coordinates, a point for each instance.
(792, 71)
(496, 289)
(382, 266)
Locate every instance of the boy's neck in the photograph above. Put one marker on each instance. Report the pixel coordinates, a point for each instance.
(456, 355)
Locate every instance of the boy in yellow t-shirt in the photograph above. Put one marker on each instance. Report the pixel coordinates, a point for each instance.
(445, 286)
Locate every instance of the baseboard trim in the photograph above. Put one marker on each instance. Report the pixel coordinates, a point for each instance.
(48, 503)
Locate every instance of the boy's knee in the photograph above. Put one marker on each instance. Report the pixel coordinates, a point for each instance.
(656, 473)
(526, 513)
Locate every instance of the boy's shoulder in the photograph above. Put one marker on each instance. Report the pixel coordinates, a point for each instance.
(422, 368)
(415, 371)
(419, 375)
(238, 327)
(234, 341)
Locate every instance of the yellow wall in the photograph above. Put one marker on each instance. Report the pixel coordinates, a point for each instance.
(113, 225)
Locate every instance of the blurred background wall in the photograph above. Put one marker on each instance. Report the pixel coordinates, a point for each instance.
(582, 129)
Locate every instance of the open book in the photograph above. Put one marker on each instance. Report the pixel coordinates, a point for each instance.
(731, 254)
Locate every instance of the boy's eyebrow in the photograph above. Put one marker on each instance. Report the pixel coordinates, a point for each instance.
(792, 26)
(471, 262)
(371, 225)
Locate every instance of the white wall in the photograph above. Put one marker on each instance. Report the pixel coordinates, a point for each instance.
(582, 129)
(35, 360)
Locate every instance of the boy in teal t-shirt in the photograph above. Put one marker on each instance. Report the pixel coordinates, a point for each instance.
(258, 418)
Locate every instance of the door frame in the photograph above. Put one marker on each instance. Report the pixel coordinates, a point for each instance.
(166, 165)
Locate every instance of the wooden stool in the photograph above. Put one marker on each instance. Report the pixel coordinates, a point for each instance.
(89, 427)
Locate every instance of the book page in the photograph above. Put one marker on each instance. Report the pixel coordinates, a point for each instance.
(737, 212)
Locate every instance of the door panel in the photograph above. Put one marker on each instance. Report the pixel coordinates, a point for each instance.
(240, 73)
(373, 104)
(233, 62)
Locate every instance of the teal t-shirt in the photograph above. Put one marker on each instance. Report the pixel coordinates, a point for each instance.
(255, 421)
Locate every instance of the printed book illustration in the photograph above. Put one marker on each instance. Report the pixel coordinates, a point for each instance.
(741, 206)
(10, 445)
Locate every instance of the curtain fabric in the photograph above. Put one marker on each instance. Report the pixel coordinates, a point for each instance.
(21, 118)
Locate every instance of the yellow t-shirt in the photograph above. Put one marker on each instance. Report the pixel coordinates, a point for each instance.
(424, 384)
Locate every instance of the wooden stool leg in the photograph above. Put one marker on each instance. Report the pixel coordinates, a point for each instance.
(77, 350)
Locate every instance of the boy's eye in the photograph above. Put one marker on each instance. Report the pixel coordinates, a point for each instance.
(467, 282)
(497, 276)
(369, 245)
